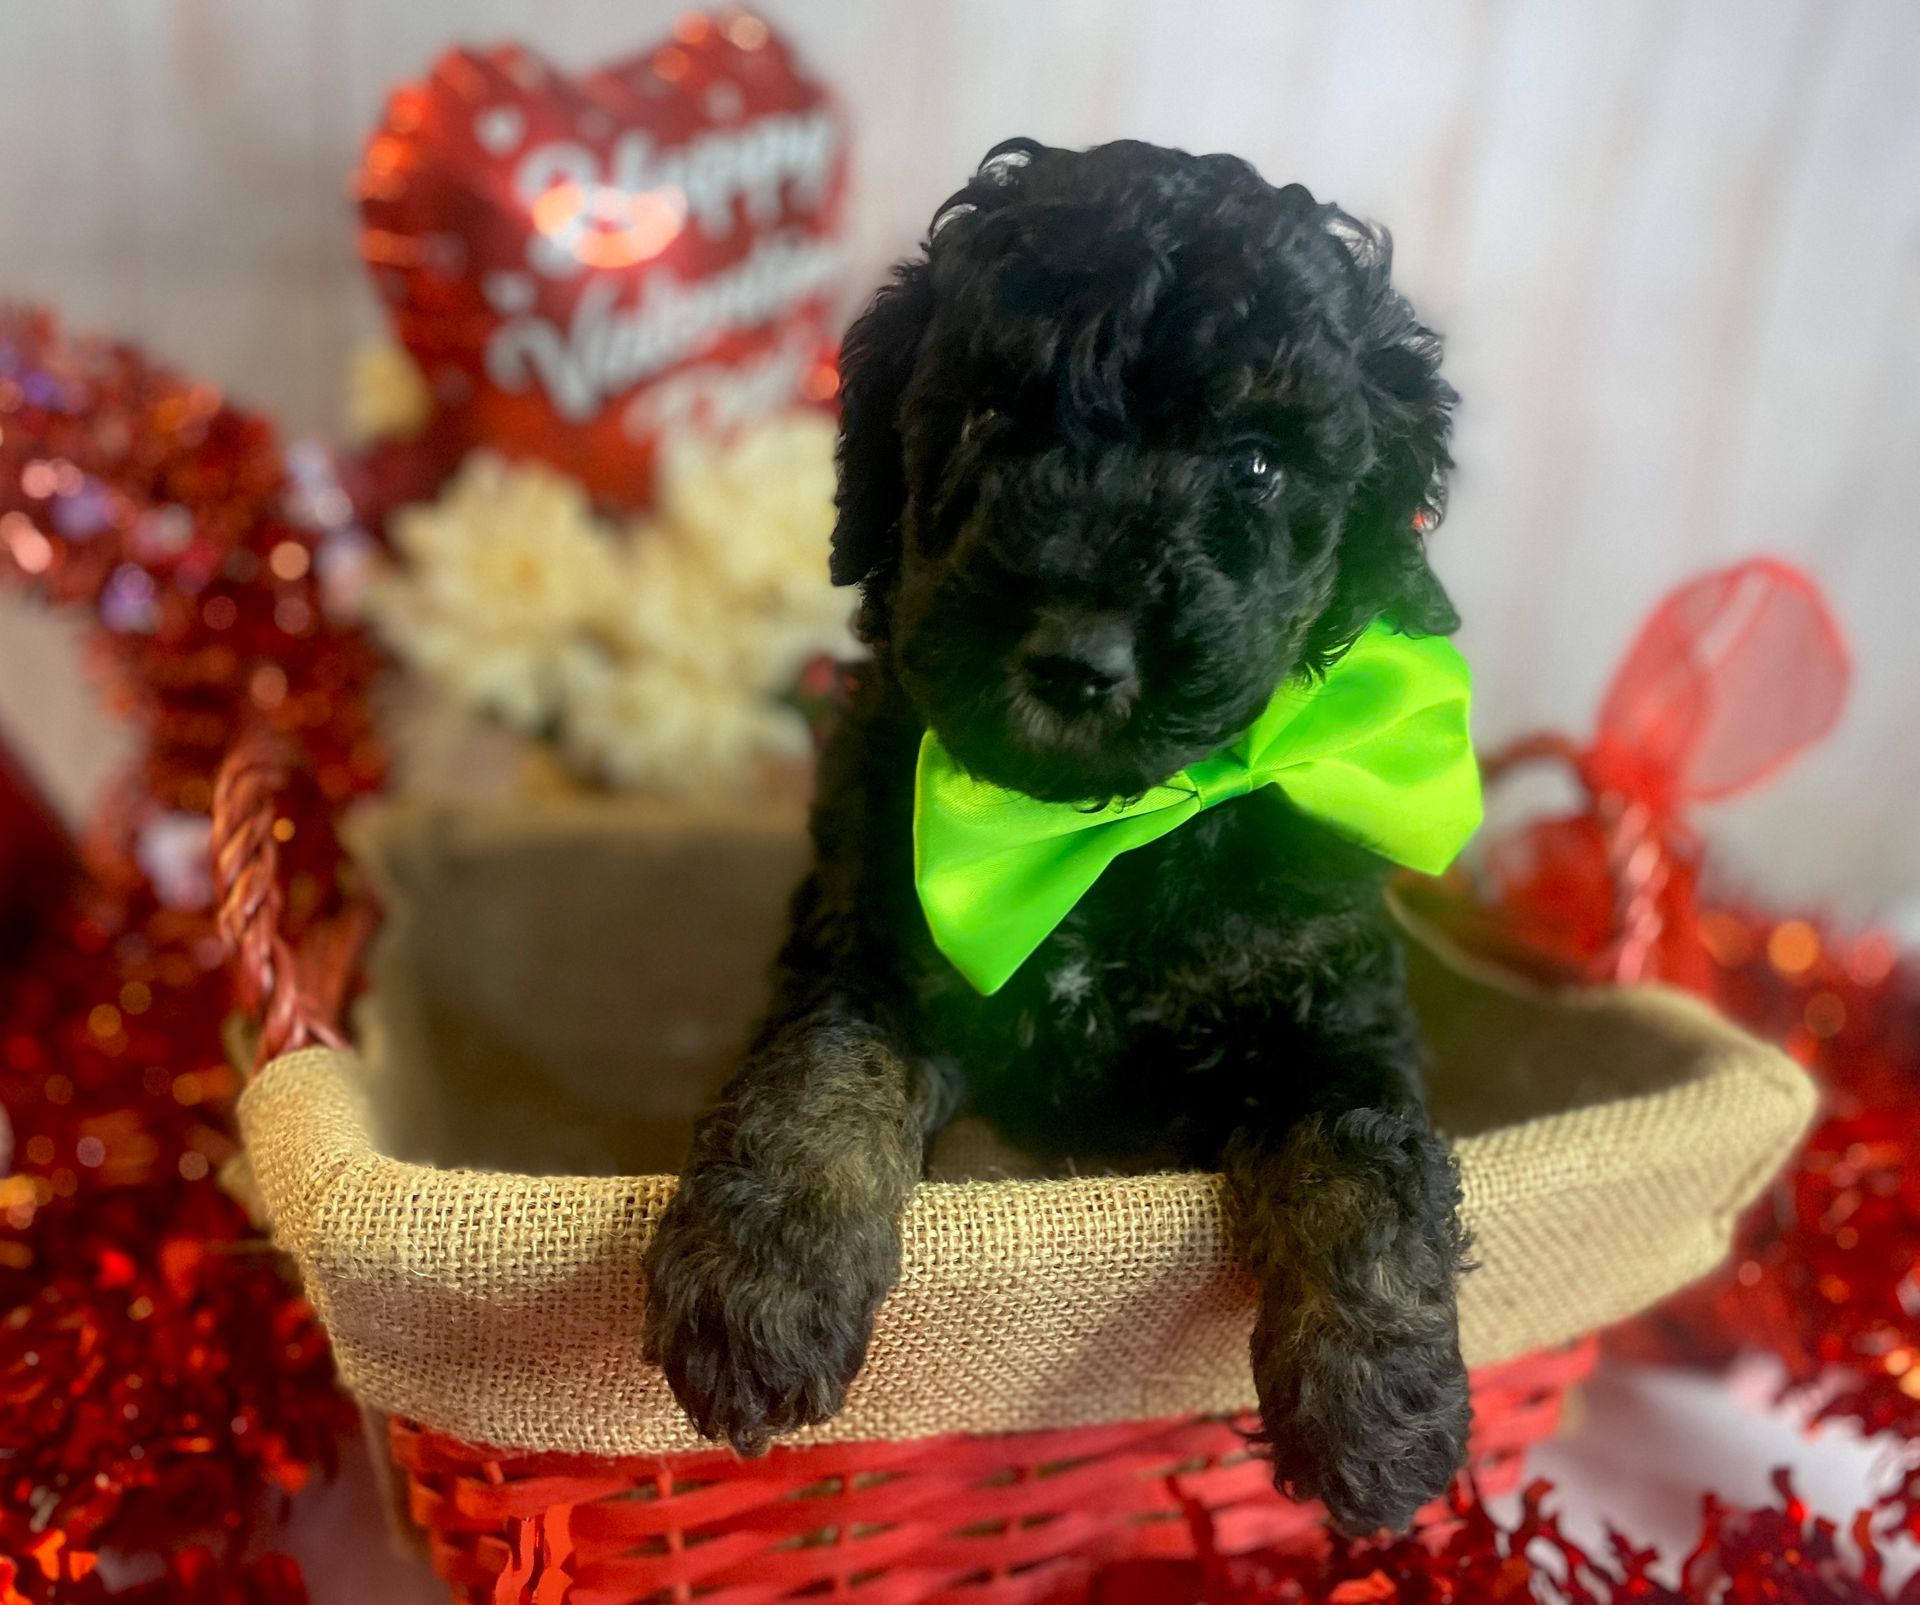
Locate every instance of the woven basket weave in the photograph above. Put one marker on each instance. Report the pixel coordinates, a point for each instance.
(558, 990)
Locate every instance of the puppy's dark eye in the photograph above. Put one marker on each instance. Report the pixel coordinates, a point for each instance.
(1255, 469)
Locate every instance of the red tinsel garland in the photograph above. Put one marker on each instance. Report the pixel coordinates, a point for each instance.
(1826, 1275)
(158, 1374)
(1782, 1555)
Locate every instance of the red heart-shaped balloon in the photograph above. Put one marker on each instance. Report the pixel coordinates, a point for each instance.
(582, 266)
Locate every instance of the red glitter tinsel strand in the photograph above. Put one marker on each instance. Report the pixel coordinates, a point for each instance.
(159, 1376)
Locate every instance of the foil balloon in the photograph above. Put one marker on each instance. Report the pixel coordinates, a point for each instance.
(583, 266)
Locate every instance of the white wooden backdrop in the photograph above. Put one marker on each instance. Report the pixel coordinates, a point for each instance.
(1676, 245)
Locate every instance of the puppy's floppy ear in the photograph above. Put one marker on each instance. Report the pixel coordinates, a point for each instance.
(876, 361)
(1402, 499)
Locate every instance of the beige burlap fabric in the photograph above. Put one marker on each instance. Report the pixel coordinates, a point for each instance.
(1606, 1141)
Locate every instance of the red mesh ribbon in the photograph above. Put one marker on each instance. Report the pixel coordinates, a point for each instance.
(1732, 677)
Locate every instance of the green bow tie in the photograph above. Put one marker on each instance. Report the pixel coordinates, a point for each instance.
(1378, 750)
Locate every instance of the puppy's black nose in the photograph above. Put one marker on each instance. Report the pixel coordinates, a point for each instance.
(1077, 662)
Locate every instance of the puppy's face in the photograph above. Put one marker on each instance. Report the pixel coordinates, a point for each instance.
(1128, 445)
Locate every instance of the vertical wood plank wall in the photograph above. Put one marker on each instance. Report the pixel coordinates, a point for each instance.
(1676, 245)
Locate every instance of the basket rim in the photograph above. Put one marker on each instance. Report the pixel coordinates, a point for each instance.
(536, 1345)
(1769, 1071)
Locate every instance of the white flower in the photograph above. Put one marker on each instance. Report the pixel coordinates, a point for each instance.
(502, 577)
(729, 600)
(659, 656)
(765, 503)
(642, 725)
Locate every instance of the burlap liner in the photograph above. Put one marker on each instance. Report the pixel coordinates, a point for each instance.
(1607, 1141)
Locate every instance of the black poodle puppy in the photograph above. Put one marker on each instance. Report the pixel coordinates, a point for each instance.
(1138, 439)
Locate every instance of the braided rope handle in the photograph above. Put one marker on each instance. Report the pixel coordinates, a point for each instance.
(1638, 852)
(296, 999)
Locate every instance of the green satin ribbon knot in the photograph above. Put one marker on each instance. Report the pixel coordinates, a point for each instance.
(1379, 750)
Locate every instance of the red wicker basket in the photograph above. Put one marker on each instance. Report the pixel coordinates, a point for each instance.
(971, 1520)
(963, 1518)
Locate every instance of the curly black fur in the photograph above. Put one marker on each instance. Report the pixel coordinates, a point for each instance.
(1140, 425)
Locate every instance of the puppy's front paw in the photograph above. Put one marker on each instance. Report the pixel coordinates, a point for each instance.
(761, 1321)
(1374, 1428)
(1356, 1352)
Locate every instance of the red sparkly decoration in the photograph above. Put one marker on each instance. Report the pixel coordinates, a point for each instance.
(1826, 1274)
(194, 1575)
(1782, 1555)
(159, 1377)
(583, 265)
